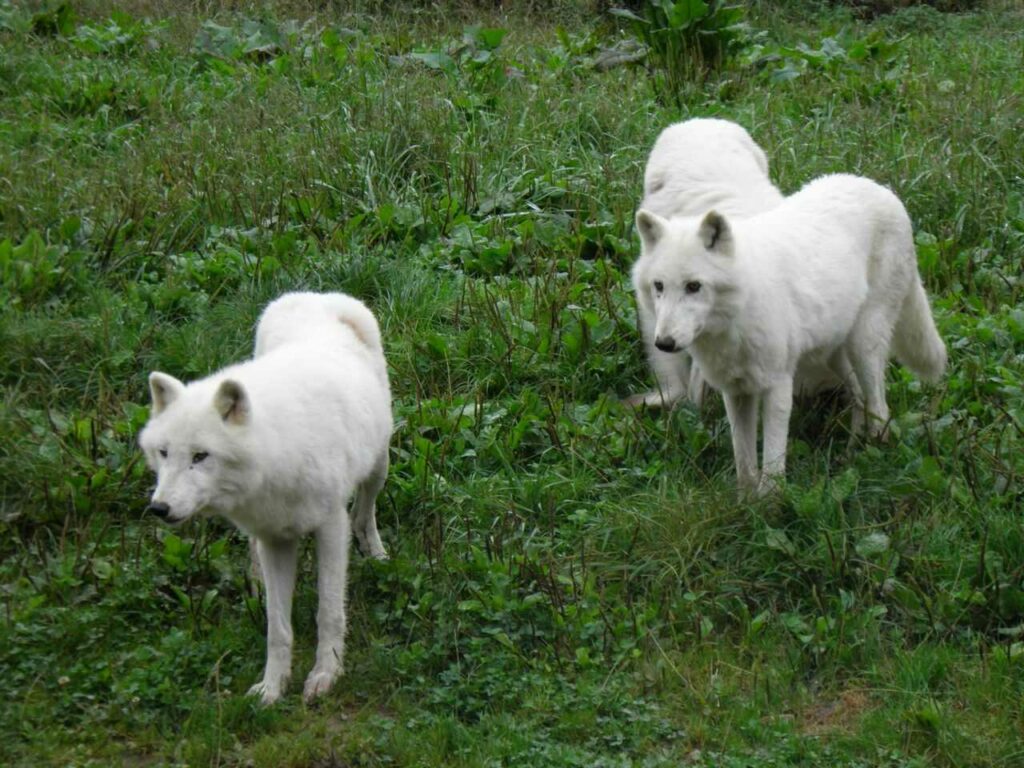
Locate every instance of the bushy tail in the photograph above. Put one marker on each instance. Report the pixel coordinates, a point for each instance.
(356, 316)
(916, 341)
(293, 317)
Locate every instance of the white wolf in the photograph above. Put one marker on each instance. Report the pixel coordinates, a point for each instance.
(829, 276)
(278, 445)
(696, 166)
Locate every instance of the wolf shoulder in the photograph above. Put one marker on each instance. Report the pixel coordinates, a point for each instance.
(848, 202)
(834, 219)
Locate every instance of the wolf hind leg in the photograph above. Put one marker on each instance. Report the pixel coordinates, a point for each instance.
(364, 510)
(868, 350)
(672, 376)
(841, 366)
(671, 370)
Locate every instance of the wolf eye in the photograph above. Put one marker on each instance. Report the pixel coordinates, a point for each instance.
(163, 453)
(659, 286)
(199, 456)
(693, 286)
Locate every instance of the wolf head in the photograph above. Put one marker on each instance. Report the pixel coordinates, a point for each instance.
(683, 274)
(194, 441)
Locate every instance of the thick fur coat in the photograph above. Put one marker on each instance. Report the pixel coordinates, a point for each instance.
(827, 277)
(278, 445)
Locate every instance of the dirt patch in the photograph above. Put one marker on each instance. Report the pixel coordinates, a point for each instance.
(828, 715)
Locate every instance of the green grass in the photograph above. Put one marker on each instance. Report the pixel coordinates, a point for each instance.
(571, 583)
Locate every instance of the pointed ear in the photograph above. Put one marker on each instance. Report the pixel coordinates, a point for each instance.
(232, 402)
(651, 228)
(716, 234)
(163, 390)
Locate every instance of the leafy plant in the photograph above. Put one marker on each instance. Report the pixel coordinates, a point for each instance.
(119, 35)
(475, 59)
(33, 272)
(58, 20)
(686, 39)
(836, 56)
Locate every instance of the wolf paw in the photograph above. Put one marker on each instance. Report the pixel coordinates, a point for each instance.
(317, 684)
(371, 547)
(653, 400)
(878, 430)
(268, 693)
(767, 486)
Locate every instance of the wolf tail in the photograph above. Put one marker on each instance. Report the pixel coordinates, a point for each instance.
(916, 341)
(360, 320)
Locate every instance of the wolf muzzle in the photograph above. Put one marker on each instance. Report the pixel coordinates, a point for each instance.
(666, 344)
(159, 509)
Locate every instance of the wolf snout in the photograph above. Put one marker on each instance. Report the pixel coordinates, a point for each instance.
(666, 344)
(159, 509)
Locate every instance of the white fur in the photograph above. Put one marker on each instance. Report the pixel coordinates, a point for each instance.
(695, 166)
(829, 277)
(289, 437)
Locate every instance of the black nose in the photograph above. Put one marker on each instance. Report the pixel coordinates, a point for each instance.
(665, 343)
(159, 509)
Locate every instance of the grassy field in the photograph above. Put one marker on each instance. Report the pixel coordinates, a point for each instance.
(572, 583)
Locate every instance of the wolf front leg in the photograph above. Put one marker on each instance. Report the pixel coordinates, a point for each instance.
(778, 405)
(742, 412)
(277, 561)
(332, 545)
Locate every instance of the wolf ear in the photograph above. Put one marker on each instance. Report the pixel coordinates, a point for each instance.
(716, 234)
(651, 228)
(232, 402)
(163, 390)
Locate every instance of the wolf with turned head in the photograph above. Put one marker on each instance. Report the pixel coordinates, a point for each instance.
(279, 445)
